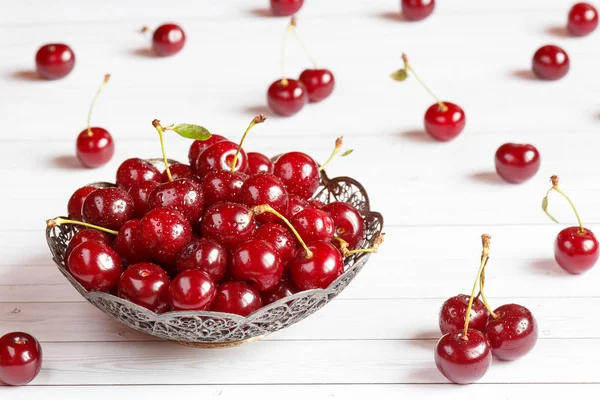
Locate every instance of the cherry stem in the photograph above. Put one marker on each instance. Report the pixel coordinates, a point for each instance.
(308, 54)
(89, 127)
(259, 119)
(482, 293)
(64, 221)
(288, 29)
(159, 129)
(374, 249)
(485, 242)
(336, 150)
(408, 67)
(144, 29)
(265, 208)
(554, 179)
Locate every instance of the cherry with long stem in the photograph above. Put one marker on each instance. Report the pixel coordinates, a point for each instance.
(64, 221)
(485, 241)
(160, 129)
(293, 29)
(408, 68)
(554, 179)
(346, 252)
(336, 150)
(256, 120)
(288, 29)
(89, 117)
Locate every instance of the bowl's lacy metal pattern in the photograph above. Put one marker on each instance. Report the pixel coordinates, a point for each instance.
(221, 328)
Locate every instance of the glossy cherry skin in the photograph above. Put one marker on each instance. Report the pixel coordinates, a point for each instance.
(444, 125)
(198, 146)
(453, 312)
(517, 163)
(168, 39)
(299, 173)
(20, 358)
(108, 207)
(95, 266)
(314, 203)
(96, 149)
(263, 188)
(279, 236)
(86, 235)
(54, 61)
(220, 156)
(550, 63)
(416, 10)
(258, 263)
(222, 186)
(347, 221)
(286, 99)
(463, 361)
(576, 252)
(146, 285)
(313, 224)
(319, 83)
(162, 233)
(513, 334)
(76, 202)
(285, 8)
(140, 193)
(295, 205)
(183, 195)
(319, 271)
(205, 255)
(178, 171)
(136, 170)
(192, 290)
(258, 162)
(127, 244)
(583, 19)
(237, 298)
(283, 289)
(228, 223)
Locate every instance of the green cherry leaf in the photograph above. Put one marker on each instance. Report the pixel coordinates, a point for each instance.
(347, 153)
(545, 208)
(190, 131)
(399, 75)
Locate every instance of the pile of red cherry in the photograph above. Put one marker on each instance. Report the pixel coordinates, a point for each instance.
(229, 232)
(473, 332)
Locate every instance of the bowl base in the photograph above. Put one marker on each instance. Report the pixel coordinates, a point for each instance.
(218, 345)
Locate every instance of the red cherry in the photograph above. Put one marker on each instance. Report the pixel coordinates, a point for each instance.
(140, 193)
(583, 19)
(319, 83)
(550, 62)
(575, 250)
(513, 333)
(205, 255)
(454, 310)
(95, 266)
(222, 186)
(314, 203)
(183, 195)
(168, 39)
(146, 285)
(295, 205)
(348, 223)
(287, 97)
(416, 10)
(136, 170)
(258, 162)
(192, 290)
(283, 289)
(127, 244)
(444, 124)
(299, 173)
(257, 262)
(198, 146)
(280, 237)
(285, 8)
(313, 224)
(76, 202)
(178, 171)
(228, 223)
(95, 147)
(20, 358)
(108, 207)
(236, 298)
(462, 360)
(86, 235)
(162, 233)
(318, 271)
(263, 188)
(54, 61)
(517, 163)
(219, 156)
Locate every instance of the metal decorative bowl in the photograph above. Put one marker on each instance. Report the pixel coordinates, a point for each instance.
(214, 329)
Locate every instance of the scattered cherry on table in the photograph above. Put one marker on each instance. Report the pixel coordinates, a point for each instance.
(550, 63)
(583, 19)
(511, 331)
(54, 61)
(285, 8)
(20, 358)
(517, 163)
(417, 10)
(167, 39)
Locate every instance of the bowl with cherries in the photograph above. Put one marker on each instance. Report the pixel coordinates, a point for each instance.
(221, 251)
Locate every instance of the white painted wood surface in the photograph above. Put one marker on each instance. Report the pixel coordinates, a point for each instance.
(376, 339)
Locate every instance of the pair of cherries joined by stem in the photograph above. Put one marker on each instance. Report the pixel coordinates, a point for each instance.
(287, 96)
(473, 332)
(443, 120)
(576, 248)
(20, 358)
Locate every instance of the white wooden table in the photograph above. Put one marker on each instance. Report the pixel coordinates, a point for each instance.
(376, 340)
